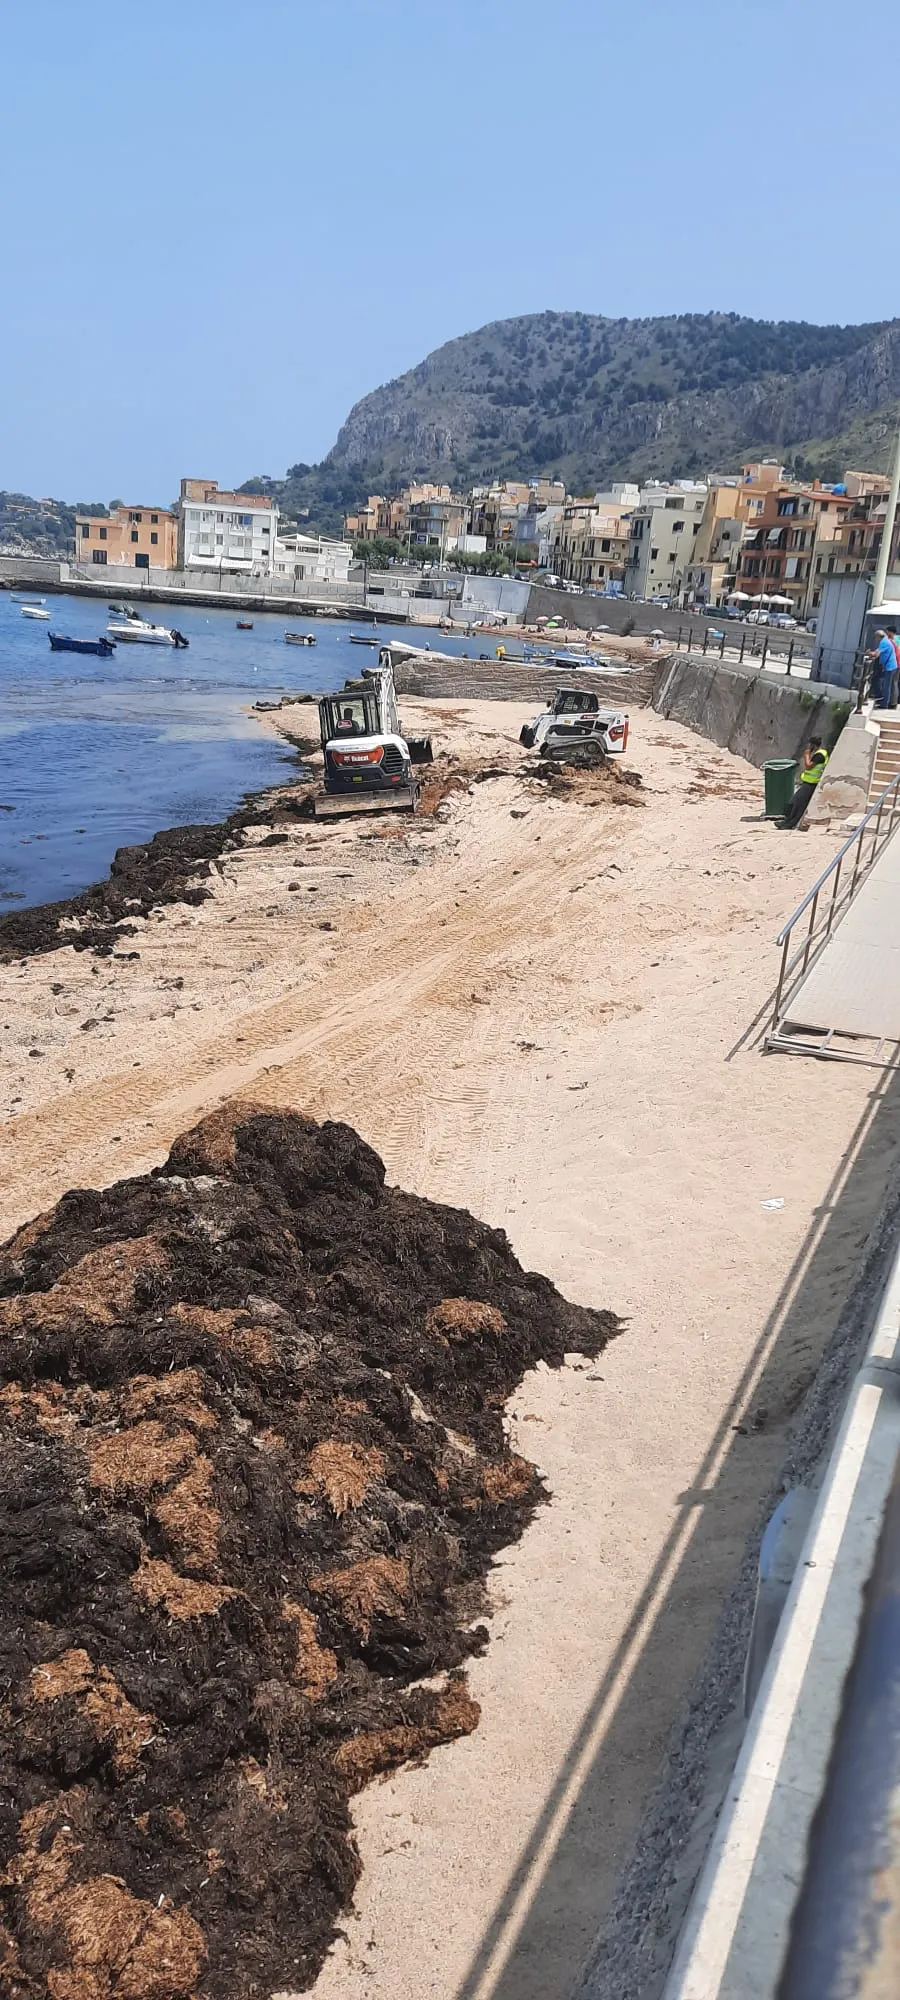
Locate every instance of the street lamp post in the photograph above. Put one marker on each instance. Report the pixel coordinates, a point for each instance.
(884, 553)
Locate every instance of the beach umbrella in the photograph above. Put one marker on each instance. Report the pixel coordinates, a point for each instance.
(657, 632)
(739, 597)
(786, 601)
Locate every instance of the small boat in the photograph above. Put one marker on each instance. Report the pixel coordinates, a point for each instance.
(104, 648)
(245, 625)
(361, 639)
(33, 611)
(135, 630)
(17, 597)
(299, 638)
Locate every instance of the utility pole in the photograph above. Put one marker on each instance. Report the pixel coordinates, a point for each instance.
(884, 553)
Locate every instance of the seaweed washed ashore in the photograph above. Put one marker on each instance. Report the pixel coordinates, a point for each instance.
(174, 867)
(254, 1472)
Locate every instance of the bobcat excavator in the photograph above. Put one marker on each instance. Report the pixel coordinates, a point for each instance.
(368, 757)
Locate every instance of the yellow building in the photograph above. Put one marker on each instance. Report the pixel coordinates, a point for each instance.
(137, 537)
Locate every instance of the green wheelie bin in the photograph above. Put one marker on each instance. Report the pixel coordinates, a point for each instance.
(780, 776)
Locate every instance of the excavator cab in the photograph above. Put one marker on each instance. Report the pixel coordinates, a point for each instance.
(347, 715)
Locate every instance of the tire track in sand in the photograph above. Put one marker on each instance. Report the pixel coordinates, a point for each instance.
(457, 931)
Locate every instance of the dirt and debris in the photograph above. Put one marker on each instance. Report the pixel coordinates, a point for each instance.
(608, 783)
(253, 1473)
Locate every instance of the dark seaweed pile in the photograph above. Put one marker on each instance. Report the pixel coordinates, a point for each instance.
(173, 867)
(253, 1473)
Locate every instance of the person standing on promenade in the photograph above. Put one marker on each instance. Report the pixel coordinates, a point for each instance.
(883, 657)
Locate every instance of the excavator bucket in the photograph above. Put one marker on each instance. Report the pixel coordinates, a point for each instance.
(333, 805)
(420, 750)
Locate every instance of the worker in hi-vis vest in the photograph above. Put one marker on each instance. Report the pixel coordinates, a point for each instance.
(815, 758)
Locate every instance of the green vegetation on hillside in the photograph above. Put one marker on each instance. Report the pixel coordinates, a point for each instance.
(593, 400)
(41, 527)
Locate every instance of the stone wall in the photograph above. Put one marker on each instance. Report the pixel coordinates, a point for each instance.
(749, 714)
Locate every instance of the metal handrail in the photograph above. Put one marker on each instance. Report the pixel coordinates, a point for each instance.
(838, 903)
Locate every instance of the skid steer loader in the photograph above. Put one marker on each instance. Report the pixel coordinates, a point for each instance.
(368, 758)
(577, 713)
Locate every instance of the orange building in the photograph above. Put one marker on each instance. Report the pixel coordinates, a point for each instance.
(783, 544)
(139, 537)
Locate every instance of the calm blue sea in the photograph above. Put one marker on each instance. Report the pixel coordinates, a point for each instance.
(99, 754)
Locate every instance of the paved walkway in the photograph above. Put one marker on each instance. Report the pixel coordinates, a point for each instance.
(854, 988)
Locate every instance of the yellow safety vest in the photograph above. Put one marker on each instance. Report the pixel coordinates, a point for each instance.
(812, 776)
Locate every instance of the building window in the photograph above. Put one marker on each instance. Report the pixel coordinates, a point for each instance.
(135, 517)
(134, 535)
(154, 538)
(142, 562)
(98, 555)
(103, 534)
(677, 527)
(154, 517)
(85, 531)
(654, 555)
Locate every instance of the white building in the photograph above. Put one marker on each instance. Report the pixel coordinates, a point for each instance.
(226, 531)
(664, 530)
(312, 559)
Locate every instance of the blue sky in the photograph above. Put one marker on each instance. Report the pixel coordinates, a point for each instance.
(225, 222)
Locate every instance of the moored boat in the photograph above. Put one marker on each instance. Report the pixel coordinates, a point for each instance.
(33, 611)
(363, 639)
(135, 630)
(299, 638)
(18, 597)
(104, 648)
(245, 624)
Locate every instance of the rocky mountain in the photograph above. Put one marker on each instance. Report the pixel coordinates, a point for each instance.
(595, 399)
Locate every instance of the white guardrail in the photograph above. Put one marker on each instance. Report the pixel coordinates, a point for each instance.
(738, 1932)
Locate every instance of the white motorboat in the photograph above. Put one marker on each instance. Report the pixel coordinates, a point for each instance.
(33, 611)
(132, 628)
(18, 597)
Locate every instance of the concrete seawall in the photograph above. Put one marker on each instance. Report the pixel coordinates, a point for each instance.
(752, 715)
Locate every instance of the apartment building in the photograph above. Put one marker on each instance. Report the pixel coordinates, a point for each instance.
(853, 550)
(732, 502)
(664, 530)
(312, 558)
(434, 518)
(419, 516)
(379, 520)
(782, 547)
(137, 537)
(225, 531)
(592, 545)
(518, 518)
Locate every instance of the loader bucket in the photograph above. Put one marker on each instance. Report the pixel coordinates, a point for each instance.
(420, 750)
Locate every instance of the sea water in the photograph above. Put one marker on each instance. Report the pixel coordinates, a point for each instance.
(97, 754)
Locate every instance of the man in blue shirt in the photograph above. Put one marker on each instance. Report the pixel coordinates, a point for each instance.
(884, 659)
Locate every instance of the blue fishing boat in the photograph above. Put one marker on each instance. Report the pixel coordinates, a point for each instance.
(103, 647)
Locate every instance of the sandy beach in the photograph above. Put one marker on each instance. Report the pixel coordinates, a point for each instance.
(529, 1003)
